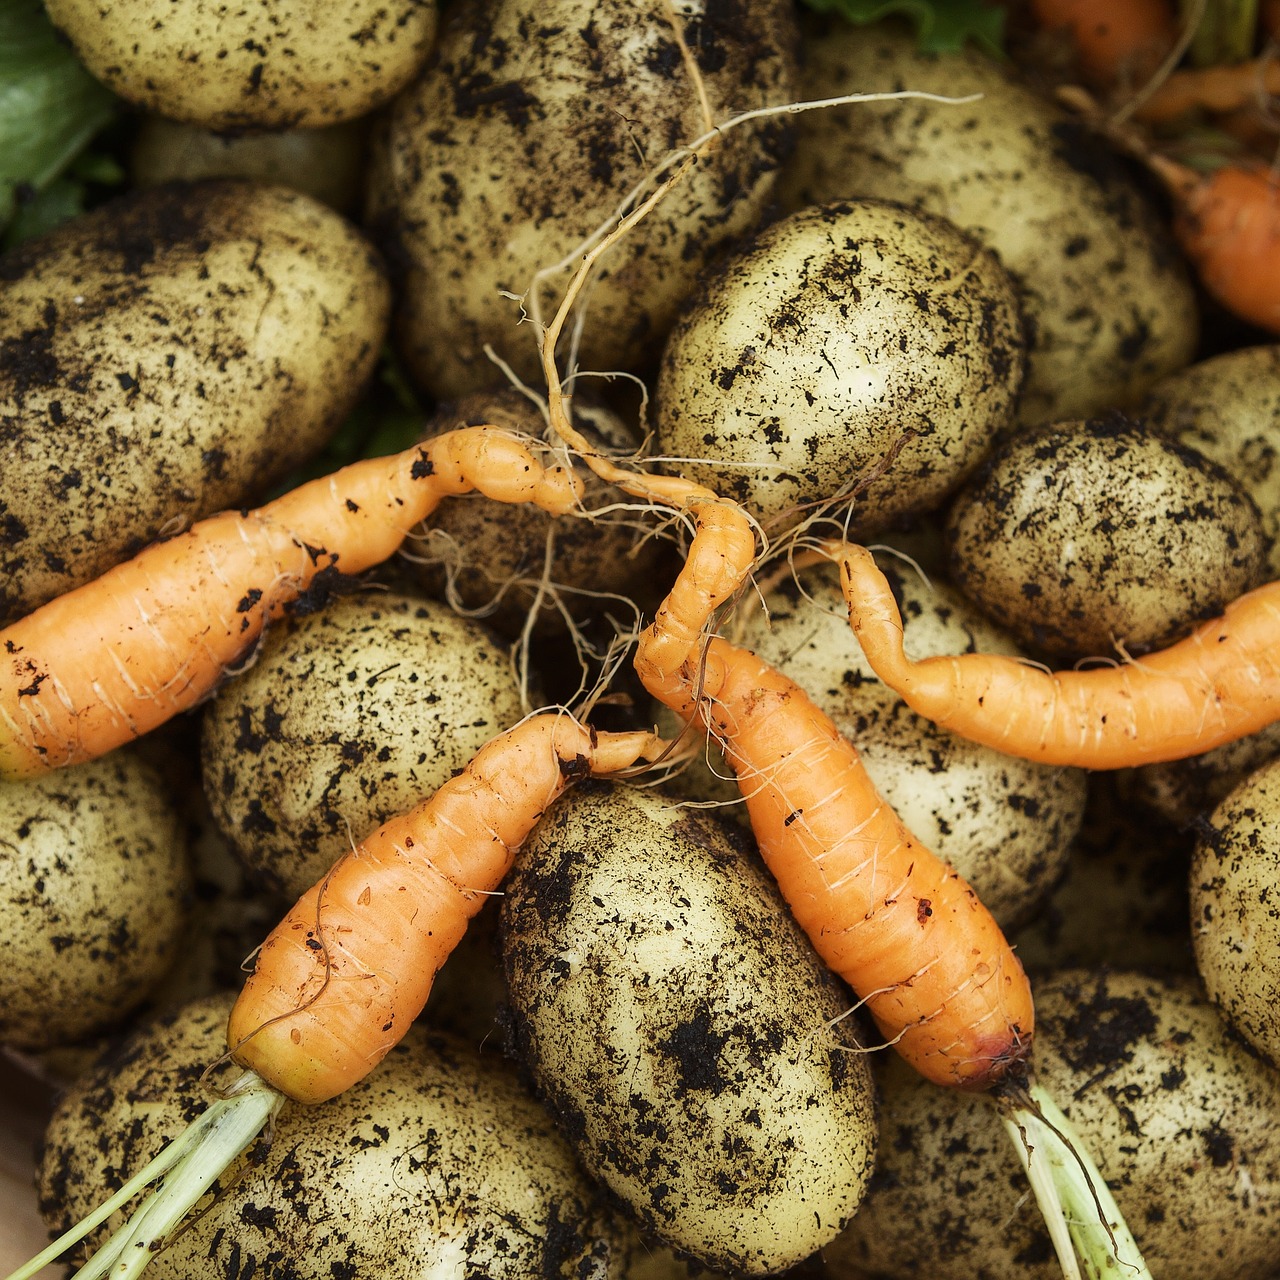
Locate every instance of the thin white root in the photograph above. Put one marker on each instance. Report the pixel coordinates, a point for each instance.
(1079, 1210)
(182, 1173)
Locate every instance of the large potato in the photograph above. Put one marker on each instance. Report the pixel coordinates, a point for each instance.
(349, 716)
(1084, 536)
(282, 65)
(1004, 824)
(684, 1032)
(437, 1164)
(167, 356)
(855, 343)
(1109, 304)
(1179, 1116)
(94, 881)
(511, 148)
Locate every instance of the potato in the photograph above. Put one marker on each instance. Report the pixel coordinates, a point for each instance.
(684, 1032)
(835, 337)
(166, 356)
(1084, 536)
(349, 715)
(1235, 921)
(235, 67)
(1179, 1116)
(567, 124)
(1109, 304)
(326, 164)
(437, 1164)
(94, 884)
(1228, 408)
(1004, 824)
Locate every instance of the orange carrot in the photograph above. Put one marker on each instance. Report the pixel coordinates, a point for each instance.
(110, 661)
(1215, 89)
(1113, 39)
(342, 977)
(1228, 224)
(1219, 684)
(894, 921)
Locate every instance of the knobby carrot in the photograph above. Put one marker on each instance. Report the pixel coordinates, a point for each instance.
(341, 978)
(1219, 684)
(110, 661)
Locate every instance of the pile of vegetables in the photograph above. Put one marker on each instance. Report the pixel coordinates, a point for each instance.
(775, 548)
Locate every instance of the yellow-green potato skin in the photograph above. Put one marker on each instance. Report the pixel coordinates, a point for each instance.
(164, 357)
(533, 122)
(263, 64)
(682, 1030)
(1178, 1114)
(855, 343)
(349, 715)
(1004, 824)
(94, 886)
(1235, 909)
(1228, 408)
(1109, 304)
(438, 1164)
(1084, 537)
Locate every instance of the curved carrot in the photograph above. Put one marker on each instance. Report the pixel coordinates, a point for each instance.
(1228, 224)
(342, 977)
(1219, 684)
(894, 921)
(110, 661)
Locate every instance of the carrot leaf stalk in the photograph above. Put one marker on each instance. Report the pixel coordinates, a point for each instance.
(181, 1173)
(1078, 1207)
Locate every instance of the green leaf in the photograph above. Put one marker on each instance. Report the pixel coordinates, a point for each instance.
(50, 106)
(942, 26)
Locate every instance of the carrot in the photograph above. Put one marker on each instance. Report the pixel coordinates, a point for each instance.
(112, 660)
(341, 978)
(1228, 223)
(1219, 684)
(1215, 89)
(1113, 40)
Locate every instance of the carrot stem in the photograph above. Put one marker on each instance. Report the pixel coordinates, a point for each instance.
(182, 1173)
(1078, 1207)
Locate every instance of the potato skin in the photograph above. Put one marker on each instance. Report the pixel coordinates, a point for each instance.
(348, 716)
(679, 1026)
(1235, 909)
(1084, 535)
(266, 64)
(94, 886)
(437, 1164)
(164, 357)
(1108, 300)
(1178, 1114)
(570, 104)
(1004, 824)
(806, 359)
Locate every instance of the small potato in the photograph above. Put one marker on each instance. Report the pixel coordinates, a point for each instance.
(283, 65)
(1004, 824)
(326, 164)
(1108, 301)
(349, 716)
(1235, 909)
(94, 884)
(166, 356)
(1179, 1116)
(511, 149)
(1228, 408)
(684, 1032)
(836, 337)
(1085, 536)
(437, 1164)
